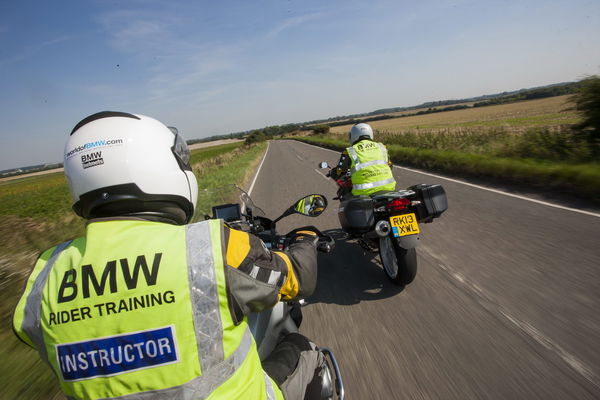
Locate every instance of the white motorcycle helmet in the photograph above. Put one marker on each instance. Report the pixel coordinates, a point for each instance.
(121, 164)
(360, 131)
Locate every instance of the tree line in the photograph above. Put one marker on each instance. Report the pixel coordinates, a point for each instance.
(589, 86)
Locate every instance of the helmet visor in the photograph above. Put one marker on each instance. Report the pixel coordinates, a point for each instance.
(180, 150)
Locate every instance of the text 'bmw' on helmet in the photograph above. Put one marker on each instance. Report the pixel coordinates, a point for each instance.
(120, 164)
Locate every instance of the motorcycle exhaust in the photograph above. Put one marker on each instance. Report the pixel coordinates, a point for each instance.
(382, 228)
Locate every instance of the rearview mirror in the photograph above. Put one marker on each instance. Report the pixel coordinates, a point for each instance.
(312, 205)
(323, 165)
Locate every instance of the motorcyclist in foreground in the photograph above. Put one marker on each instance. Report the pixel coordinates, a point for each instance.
(146, 306)
(366, 161)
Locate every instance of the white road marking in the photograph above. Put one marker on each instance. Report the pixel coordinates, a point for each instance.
(486, 300)
(549, 344)
(495, 307)
(322, 174)
(258, 170)
(501, 192)
(593, 214)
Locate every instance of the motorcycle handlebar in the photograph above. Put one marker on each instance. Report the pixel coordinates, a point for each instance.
(325, 243)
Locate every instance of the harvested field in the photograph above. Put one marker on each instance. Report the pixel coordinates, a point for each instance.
(518, 117)
(214, 143)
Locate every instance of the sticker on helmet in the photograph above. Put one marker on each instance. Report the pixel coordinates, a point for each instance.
(92, 145)
(91, 160)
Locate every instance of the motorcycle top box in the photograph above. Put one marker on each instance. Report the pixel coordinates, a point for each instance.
(432, 201)
(356, 215)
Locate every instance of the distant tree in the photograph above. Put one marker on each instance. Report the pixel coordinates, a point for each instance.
(587, 102)
(321, 129)
(255, 137)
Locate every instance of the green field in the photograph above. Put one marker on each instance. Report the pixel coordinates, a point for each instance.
(202, 154)
(36, 214)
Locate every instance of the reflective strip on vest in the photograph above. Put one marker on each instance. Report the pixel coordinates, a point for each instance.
(31, 315)
(370, 185)
(352, 153)
(384, 151)
(202, 386)
(360, 166)
(204, 295)
(206, 309)
(369, 168)
(270, 391)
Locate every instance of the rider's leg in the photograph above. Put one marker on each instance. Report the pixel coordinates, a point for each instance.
(295, 365)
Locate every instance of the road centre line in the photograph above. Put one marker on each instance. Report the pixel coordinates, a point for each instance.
(322, 174)
(258, 170)
(483, 188)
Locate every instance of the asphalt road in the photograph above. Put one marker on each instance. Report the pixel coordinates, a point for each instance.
(505, 304)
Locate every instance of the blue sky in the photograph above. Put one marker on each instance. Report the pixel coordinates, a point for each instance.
(216, 67)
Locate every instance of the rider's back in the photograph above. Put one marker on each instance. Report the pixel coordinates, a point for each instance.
(137, 306)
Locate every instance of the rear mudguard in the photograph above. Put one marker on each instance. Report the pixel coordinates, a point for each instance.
(408, 242)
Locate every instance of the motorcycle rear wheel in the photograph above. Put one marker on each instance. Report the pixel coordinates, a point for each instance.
(400, 265)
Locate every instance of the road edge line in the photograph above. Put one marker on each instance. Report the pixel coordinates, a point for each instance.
(258, 169)
(593, 214)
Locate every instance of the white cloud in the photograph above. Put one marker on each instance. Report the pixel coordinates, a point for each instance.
(134, 32)
(31, 50)
(104, 90)
(180, 69)
(292, 22)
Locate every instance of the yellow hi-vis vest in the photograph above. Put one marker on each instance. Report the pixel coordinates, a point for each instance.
(139, 310)
(369, 168)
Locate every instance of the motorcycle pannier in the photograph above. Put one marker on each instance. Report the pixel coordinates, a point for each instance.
(356, 215)
(433, 201)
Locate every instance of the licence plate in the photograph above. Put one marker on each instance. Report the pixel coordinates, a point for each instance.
(405, 224)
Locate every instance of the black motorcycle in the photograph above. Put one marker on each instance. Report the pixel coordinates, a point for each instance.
(388, 222)
(270, 326)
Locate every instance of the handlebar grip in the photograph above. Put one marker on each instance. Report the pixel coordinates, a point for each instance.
(325, 244)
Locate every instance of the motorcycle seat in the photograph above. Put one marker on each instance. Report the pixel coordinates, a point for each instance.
(383, 195)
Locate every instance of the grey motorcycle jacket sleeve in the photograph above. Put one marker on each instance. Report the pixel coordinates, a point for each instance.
(257, 278)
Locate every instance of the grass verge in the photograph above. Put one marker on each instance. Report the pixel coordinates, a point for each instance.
(36, 214)
(221, 172)
(206, 153)
(581, 180)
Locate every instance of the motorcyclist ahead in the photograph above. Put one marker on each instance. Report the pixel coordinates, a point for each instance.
(367, 163)
(145, 305)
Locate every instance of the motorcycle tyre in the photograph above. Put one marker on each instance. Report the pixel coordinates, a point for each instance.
(405, 258)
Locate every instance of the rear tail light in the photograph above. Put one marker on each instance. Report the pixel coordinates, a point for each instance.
(398, 204)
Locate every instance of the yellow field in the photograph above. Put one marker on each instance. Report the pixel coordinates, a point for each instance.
(518, 116)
